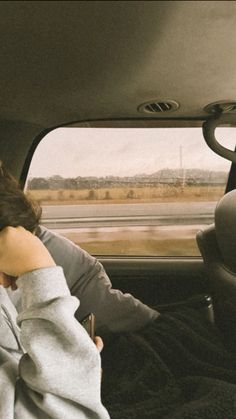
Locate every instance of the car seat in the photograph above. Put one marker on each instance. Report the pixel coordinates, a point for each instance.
(217, 244)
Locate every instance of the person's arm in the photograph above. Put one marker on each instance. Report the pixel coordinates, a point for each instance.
(87, 279)
(115, 311)
(61, 370)
(59, 374)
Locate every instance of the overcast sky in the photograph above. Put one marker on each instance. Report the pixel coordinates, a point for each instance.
(72, 152)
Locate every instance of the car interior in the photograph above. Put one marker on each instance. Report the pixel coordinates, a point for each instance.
(130, 65)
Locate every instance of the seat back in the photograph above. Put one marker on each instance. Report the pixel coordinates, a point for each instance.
(217, 244)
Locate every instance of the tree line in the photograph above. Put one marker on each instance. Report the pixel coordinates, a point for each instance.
(189, 177)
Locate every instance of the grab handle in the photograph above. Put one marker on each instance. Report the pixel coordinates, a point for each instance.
(208, 129)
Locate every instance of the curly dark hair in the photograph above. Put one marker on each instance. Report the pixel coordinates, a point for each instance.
(16, 209)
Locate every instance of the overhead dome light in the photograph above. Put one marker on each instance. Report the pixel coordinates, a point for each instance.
(222, 106)
(158, 106)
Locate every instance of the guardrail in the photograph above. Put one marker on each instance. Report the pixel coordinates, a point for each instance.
(128, 221)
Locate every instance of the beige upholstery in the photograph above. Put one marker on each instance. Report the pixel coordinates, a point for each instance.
(217, 244)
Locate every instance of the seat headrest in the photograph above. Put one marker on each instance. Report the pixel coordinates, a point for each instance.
(225, 229)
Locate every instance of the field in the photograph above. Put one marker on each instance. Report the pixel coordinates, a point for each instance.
(162, 193)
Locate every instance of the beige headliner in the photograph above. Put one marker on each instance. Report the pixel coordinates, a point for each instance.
(65, 61)
(68, 61)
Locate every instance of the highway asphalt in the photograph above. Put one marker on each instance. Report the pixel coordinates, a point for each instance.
(63, 216)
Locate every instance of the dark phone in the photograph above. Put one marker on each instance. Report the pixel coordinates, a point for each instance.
(89, 324)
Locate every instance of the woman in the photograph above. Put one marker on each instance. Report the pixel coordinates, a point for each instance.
(49, 366)
(154, 366)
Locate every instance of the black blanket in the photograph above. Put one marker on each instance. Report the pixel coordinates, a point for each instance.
(177, 368)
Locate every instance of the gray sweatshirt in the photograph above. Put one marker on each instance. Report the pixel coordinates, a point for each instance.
(88, 281)
(49, 367)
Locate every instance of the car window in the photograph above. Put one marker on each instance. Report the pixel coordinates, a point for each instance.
(126, 191)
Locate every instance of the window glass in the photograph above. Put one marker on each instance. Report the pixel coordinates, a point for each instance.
(126, 191)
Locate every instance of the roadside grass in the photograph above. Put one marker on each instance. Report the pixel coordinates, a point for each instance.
(151, 242)
(166, 193)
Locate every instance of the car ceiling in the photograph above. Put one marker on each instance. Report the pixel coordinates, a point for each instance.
(68, 61)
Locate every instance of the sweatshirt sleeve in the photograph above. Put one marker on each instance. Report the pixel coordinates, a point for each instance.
(60, 372)
(115, 311)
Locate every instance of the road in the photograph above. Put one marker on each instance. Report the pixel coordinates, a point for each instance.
(64, 216)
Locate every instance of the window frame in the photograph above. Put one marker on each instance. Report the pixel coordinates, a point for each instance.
(133, 123)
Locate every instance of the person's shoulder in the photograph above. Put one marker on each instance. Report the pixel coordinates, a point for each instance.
(54, 240)
(47, 236)
(61, 247)
(75, 261)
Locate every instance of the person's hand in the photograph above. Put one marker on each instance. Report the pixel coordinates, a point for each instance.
(21, 252)
(8, 281)
(99, 343)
